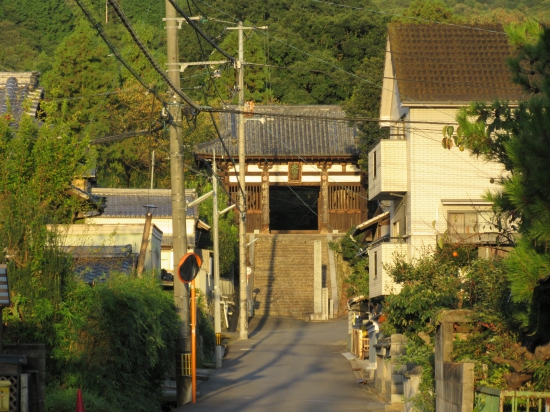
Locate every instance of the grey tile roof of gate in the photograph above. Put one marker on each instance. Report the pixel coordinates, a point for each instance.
(442, 63)
(131, 202)
(288, 131)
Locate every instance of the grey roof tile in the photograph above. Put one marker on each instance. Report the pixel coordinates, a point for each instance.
(288, 131)
(95, 263)
(131, 202)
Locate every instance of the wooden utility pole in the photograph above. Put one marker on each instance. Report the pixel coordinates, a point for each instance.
(179, 214)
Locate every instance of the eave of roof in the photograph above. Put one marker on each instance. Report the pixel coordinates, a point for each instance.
(365, 225)
(287, 131)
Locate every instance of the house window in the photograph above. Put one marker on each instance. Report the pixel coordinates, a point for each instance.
(374, 166)
(375, 264)
(462, 222)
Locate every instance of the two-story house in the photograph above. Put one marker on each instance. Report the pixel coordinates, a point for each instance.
(430, 72)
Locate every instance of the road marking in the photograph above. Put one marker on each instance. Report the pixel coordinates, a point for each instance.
(246, 349)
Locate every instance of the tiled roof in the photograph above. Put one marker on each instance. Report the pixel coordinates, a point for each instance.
(15, 89)
(440, 63)
(131, 202)
(287, 131)
(94, 263)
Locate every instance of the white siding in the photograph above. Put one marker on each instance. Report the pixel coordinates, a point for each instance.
(436, 173)
(390, 175)
(380, 282)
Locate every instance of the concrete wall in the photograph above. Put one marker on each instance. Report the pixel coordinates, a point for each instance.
(388, 376)
(454, 382)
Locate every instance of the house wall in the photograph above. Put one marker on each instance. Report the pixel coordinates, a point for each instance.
(432, 174)
(115, 235)
(163, 223)
(435, 173)
(391, 168)
(380, 254)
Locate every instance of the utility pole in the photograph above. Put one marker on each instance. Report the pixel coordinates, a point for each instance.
(217, 314)
(243, 284)
(243, 289)
(179, 215)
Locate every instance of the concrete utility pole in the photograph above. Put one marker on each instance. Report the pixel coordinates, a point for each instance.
(243, 289)
(243, 284)
(179, 216)
(217, 314)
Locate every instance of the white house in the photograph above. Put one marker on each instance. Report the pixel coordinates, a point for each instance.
(126, 207)
(430, 72)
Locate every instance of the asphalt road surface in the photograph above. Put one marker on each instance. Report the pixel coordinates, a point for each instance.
(286, 365)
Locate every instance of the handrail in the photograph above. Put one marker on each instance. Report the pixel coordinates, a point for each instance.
(497, 398)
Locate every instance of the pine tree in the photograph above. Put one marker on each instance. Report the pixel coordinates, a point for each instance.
(519, 138)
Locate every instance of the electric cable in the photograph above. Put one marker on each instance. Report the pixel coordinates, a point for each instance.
(150, 58)
(199, 31)
(113, 49)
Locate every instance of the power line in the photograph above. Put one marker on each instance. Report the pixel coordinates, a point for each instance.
(199, 31)
(150, 58)
(116, 53)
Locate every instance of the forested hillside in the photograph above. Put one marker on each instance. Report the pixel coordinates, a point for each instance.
(313, 52)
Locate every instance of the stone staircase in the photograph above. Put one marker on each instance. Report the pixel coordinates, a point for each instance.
(283, 274)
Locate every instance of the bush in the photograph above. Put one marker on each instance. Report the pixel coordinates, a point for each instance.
(118, 339)
(64, 400)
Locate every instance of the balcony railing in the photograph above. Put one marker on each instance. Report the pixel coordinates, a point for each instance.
(484, 238)
(389, 239)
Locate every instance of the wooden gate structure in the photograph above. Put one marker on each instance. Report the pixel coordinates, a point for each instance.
(293, 147)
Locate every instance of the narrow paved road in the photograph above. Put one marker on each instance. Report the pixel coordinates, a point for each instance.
(286, 365)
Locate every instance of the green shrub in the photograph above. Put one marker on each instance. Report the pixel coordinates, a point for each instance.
(117, 338)
(64, 400)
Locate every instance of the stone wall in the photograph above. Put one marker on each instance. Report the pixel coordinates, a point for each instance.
(283, 274)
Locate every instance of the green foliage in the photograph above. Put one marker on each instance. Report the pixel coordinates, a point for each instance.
(449, 278)
(490, 337)
(228, 232)
(39, 164)
(205, 330)
(518, 138)
(64, 400)
(118, 339)
(421, 354)
(425, 11)
(358, 282)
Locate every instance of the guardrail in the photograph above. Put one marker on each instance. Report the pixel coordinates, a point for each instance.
(496, 400)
